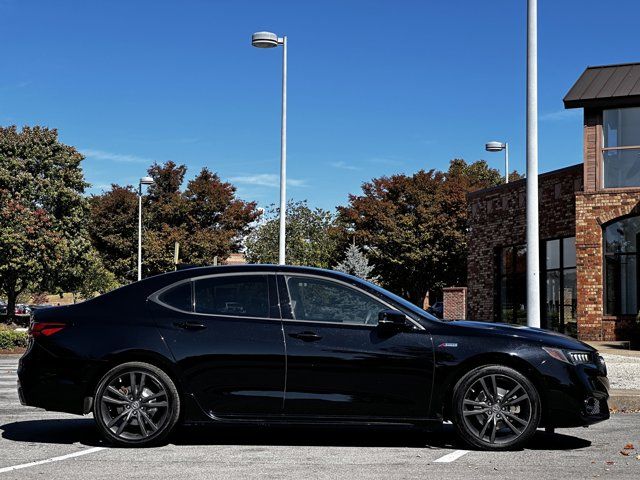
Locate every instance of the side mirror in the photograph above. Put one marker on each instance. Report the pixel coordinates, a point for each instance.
(391, 319)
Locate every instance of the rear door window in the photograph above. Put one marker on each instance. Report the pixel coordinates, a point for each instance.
(233, 295)
(178, 297)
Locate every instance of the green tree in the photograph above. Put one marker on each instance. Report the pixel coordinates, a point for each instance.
(216, 221)
(206, 219)
(114, 230)
(356, 263)
(97, 279)
(414, 227)
(44, 243)
(312, 237)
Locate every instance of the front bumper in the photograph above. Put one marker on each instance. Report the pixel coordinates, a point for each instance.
(577, 395)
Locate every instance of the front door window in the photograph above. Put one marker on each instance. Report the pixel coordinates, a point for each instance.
(314, 299)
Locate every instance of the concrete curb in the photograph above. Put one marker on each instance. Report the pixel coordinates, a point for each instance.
(624, 400)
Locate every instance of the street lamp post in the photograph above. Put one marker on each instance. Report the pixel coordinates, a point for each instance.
(497, 147)
(271, 40)
(533, 252)
(143, 181)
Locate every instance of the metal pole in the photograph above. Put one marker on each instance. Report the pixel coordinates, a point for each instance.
(533, 260)
(506, 162)
(140, 232)
(283, 158)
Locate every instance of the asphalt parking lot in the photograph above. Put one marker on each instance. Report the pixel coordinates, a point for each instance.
(38, 444)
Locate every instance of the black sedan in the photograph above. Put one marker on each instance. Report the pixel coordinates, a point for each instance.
(274, 344)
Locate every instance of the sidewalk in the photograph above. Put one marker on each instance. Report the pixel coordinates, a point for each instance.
(615, 348)
(623, 366)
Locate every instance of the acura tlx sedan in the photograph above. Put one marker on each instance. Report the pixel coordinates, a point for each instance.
(292, 345)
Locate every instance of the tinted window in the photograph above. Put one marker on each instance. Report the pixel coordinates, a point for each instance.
(178, 297)
(240, 296)
(622, 267)
(327, 301)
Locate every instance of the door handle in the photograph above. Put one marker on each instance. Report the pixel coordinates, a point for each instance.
(306, 336)
(190, 325)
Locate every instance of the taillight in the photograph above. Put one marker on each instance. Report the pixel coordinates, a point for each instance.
(45, 329)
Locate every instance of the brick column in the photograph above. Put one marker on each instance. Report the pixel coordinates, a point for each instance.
(454, 301)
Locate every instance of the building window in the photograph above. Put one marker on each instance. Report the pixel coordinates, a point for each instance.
(621, 266)
(560, 296)
(621, 151)
(511, 295)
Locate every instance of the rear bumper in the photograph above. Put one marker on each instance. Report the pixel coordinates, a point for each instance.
(51, 383)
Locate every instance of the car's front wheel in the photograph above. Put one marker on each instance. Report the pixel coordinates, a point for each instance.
(495, 408)
(136, 404)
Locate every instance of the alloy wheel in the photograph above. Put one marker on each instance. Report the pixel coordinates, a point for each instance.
(496, 409)
(134, 405)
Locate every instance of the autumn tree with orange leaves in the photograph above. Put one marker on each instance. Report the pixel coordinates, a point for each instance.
(414, 228)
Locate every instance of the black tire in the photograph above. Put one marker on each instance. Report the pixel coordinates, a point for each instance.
(495, 408)
(136, 405)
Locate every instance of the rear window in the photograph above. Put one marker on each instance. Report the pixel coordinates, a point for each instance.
(235, 295)
(178, 297)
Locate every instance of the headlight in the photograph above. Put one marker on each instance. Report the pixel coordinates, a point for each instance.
(574, 358)
(580, 357)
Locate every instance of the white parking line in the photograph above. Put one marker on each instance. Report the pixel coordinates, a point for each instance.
(50, 460)
(450, 457)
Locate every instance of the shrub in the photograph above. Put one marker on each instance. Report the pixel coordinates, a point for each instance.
(10, 339)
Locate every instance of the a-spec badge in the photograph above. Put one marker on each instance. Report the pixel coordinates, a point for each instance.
(447, 345)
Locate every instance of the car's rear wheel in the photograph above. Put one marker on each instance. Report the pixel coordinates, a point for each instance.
(495, 408)
(136, 404)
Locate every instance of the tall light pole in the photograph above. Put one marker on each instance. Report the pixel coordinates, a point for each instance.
(271, 40)
(143, 181)
(533, 256)
(498, 147)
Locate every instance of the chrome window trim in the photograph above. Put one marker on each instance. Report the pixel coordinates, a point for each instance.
(154, 297)
(348, 285)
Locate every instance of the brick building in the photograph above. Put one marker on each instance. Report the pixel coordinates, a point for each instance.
(589, 224)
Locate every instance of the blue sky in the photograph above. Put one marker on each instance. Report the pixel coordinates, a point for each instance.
(375, 87)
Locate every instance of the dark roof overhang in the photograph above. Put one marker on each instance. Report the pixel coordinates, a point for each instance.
(607, 86)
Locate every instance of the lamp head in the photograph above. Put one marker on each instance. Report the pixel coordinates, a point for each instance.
(494, 146)
(146, 181)
(264, 40)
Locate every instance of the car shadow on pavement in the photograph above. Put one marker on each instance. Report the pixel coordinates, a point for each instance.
(334, 436)
(556, 441)
(83, 430)
(63, 431)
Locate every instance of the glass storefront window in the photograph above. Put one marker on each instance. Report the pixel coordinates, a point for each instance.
(621, 168)
(512, 294)
(559, 285)
(560, 292)
(621, 266)
(621, 152)
(553, 254)
(569, 252)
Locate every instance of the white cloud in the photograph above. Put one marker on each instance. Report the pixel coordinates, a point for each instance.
(343, 166)
(114, 157)
(386, 161)
(561, 115)
(266, 180)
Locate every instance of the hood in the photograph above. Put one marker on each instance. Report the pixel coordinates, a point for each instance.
(538, 335)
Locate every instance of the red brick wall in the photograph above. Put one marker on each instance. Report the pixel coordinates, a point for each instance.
(592, 146)
(454, 300)
(497, 219)
(593, 210)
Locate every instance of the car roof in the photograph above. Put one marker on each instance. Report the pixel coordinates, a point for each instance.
(254, 268)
